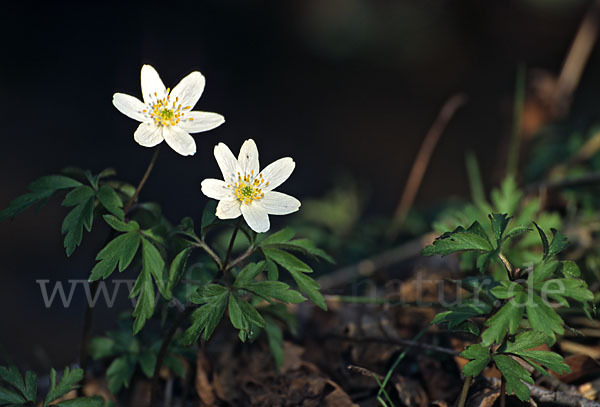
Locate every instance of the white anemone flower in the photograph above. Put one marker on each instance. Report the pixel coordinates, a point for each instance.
(166, 114)
(246, 190)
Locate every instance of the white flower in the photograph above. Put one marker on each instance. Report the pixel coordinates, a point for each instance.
(247, 191)
(166, 114)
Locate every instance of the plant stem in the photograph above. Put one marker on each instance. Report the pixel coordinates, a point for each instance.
(465, 391)
(231, 242)
(507, 265)
(88, 318)
(142, 181)
(202, 244)
(503, 392)
(163, 352)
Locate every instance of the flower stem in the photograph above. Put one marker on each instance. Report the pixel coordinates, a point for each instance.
(229, 249)
(142, 181)
(465, 391)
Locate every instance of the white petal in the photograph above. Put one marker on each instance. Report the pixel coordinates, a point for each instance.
(195, 122)
(189, 89)
(277, 172)
(228, 209)
(179, 140)
(151, 84)
(256, 217)
(130, 106)
(277, 203)
(148, 135)
(216, 189)
(227, 163)
(248, 157)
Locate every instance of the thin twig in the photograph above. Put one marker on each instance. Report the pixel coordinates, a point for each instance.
(142, 181)
(367, 267)
(547, 396)
(399, 342)
(576, 59)
(585, 180)
(422, 161)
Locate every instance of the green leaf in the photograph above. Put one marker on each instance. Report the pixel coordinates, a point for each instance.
(144, 308)
(40, 191)
(570, 269)
(309, 287)
(11, 397)
(282, 236)
(275, 289)
(506, 289)
(119, 225)
(82, 215)
(549, 360)
(286, 260)
(95, 401)
(102, 347)
(243, 315)
(460, 240)
(460, 314)
(275, 339)
(207, 293)
(542, 271)
(30, 386)
(119, 373)
(68, 382)
(515, 375)
(206, 318)
(111, 201)
(12, 376)
(119, 251)
(175, 364)
(147, 361)
(505, 319)
(248, 274)
(306, 247)
(499, 223)
(154, 263)
(480, 357)
(516, 231)
(507, 198)
(208, 216)
(524, 341)
(176, 271)
(567, 287)
(543, 318)
(544, 238)
(558, 244)
(272, 270)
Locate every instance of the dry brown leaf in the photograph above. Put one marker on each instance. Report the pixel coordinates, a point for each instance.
(203, 385)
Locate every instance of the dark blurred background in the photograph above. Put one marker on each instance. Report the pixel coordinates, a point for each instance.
(347, 87)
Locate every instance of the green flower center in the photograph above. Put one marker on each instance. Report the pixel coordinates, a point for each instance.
(167, 114)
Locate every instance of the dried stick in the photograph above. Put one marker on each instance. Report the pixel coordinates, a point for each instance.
(422, 161)
(399, 342)
(547, 396)
(369, 266)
